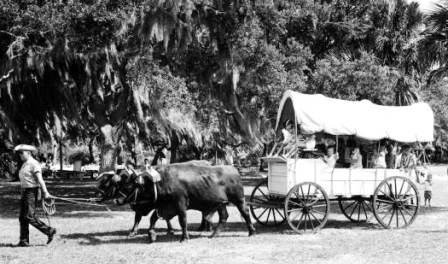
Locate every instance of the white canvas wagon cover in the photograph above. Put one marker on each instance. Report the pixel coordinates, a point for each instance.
(364, 119)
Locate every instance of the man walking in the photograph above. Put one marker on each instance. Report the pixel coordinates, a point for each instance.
(30, 175)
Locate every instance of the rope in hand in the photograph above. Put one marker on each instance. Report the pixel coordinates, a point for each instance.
(49, 204)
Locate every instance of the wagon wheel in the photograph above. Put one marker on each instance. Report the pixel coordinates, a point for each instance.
(357, 210)
(307, 207)
(266, 209)
(396, 202)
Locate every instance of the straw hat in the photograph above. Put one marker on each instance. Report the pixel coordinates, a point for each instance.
(24, 147)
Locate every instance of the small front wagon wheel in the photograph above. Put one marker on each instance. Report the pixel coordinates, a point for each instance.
(307, 207)
(265, 208)
(396, 202)
(357, 209)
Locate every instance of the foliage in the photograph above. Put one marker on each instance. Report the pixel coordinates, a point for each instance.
(205, 74)
(433, 47)
(357, 79)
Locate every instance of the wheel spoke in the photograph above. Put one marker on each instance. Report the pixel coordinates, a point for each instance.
(280, 213)
(297, 204)
(407, 212)
(267, 218)
(359, 209)
(311, 222)
(315, 218)
(273, 214)
(319, 205)
(386, 213)
(264, 211)
(300, 221)
(317, 199)
(390, 220)
(395, 187)
(260, 200)
(262, 193)
(401, 188)
(365, 211)
(404, 218)
(386, 194)
(353, 210)
(294, 210)
(408, 198)
(380, 209)
(396, 216)
(305, 222)
(303, 195)
(345, 209)
(385, 201)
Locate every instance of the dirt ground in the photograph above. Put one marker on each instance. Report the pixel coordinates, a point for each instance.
(94, 235)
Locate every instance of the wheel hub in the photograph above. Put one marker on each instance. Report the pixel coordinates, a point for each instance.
(306, 209)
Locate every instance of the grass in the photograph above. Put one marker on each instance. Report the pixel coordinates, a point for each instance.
(94, 235)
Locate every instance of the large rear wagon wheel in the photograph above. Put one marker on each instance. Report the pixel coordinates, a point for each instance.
(266, 209)
(307, 207)
(396, 202)
(357, 210)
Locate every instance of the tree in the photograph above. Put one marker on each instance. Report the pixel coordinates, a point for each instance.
(363, 78)
(433, 46)
(69, 63)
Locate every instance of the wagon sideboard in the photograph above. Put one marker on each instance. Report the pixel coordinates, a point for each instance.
(345, 182)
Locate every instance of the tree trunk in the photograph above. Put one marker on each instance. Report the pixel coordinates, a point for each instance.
(61, 156)
(174, 147)
(91, 156)
(54, 147)
(157, 156)
(110, 136)
(134, 151)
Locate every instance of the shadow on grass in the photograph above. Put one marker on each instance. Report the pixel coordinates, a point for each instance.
(442, 231)
(122, 237)
(10, 245)
(229, 230)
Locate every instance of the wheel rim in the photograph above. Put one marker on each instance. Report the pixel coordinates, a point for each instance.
(358, 210)
(266, 210)
(396, 202)
(307, 207)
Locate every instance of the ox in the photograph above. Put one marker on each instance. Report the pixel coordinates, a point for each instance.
(141, 208)
(204, 188)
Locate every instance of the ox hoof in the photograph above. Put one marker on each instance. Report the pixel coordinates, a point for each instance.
(252, 232)
(215, 233)
(152, 236)
(132, 234)
(184, 239)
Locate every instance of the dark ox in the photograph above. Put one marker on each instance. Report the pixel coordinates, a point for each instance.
(204, 188)
(112, 185)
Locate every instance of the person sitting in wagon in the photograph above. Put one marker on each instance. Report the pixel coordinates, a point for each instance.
(408, 159)
(356, 159)
(310, 143)
(286, 140)
(330, 158)
(380, 158)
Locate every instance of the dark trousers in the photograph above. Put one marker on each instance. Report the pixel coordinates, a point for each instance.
(27, 216)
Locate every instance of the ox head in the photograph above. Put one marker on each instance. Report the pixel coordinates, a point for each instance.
(118, 187)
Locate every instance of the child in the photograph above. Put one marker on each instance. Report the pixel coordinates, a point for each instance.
(428, 190)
